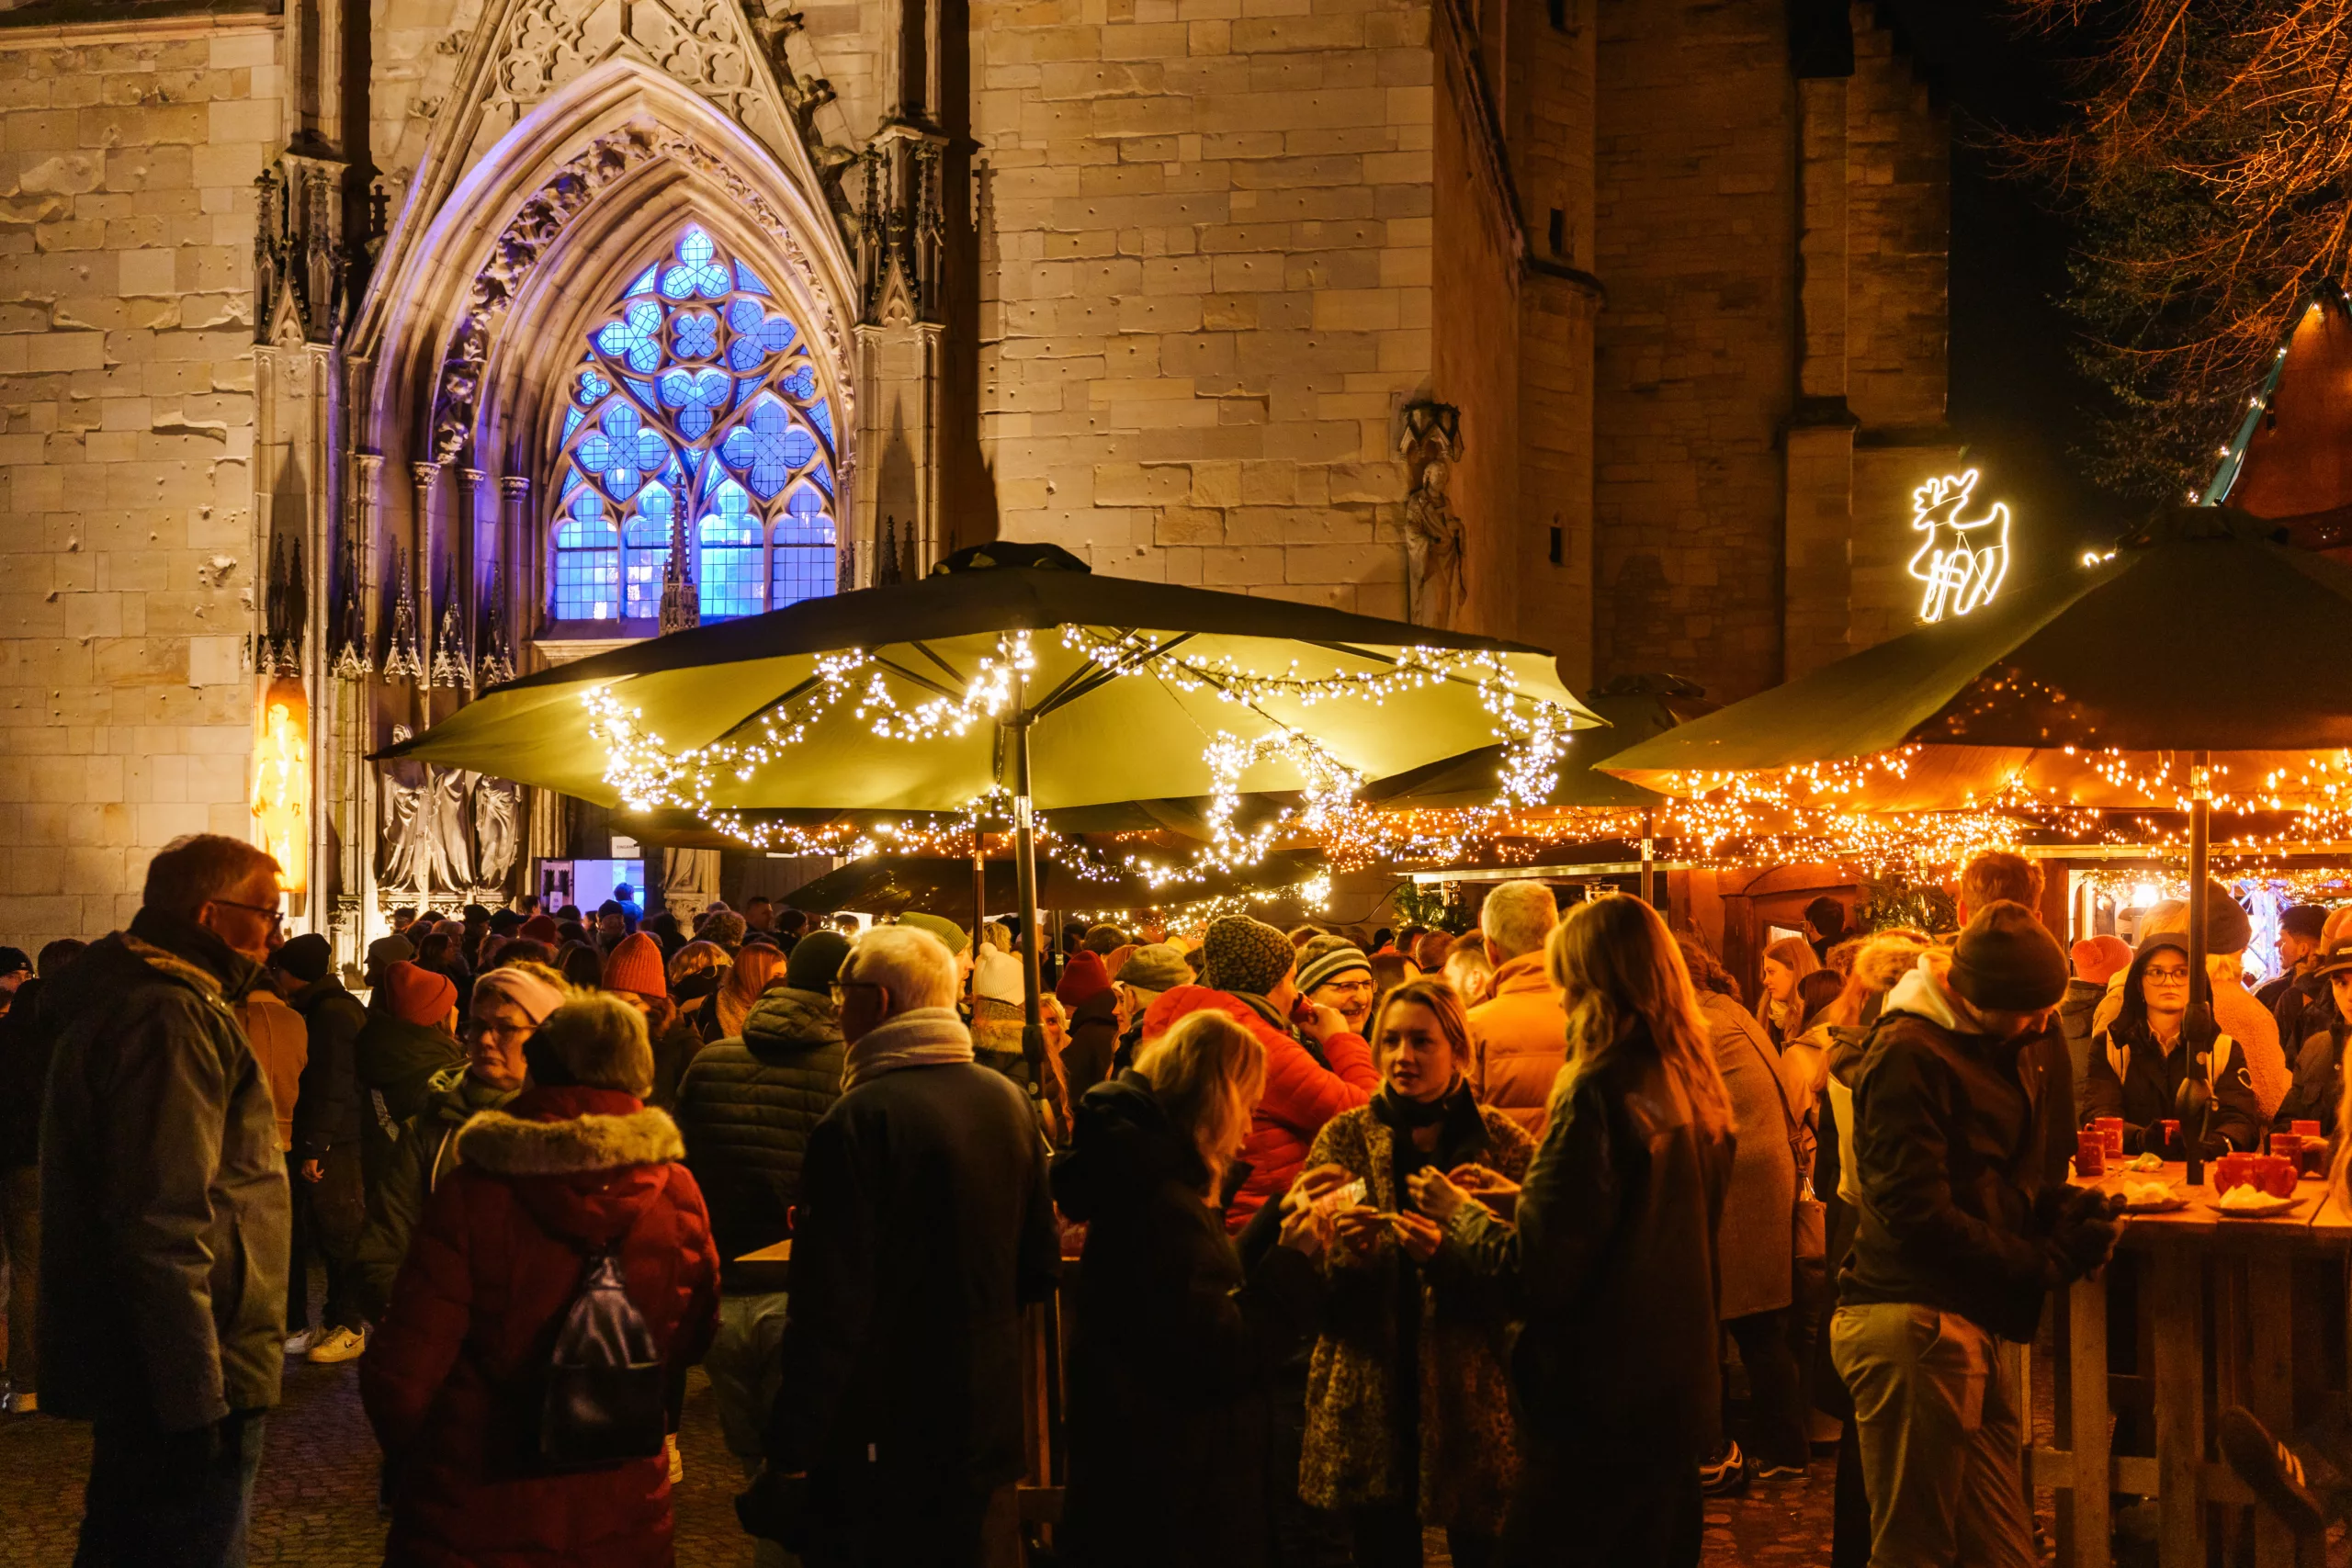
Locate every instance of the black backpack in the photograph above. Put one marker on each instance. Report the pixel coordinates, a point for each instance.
(607, 1388)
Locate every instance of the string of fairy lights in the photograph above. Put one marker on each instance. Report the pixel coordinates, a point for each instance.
(648, 774)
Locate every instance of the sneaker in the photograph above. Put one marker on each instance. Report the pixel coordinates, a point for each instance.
(336, 1345)
(2271, 1470)
(23, 1402)
(1726, 1474)
(299, 1344)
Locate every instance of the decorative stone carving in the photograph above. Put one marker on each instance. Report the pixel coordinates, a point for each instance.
(496, 665)
(548, 42)
(308, 266)
(544, 216)
(404, 654)
(1434, 540)
(900, 239)
(431, 832)
(451, 667)
(286, 609)
(681, 606)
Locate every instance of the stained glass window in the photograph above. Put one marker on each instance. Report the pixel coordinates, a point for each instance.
(696, 404)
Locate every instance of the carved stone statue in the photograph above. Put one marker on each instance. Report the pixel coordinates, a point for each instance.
(444, 831)
(1434, 544)
(496, 840)
(689, 881)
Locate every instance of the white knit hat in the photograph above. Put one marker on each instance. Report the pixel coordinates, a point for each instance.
(996, 975)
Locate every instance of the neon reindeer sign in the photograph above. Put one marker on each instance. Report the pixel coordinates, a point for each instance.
(1962, 560)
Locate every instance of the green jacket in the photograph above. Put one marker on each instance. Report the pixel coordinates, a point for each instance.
(424, 1151)
(396, 1063)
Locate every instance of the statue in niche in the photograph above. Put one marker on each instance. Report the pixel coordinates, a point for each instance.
(427, 839)
(1434, 541)
(495, 838)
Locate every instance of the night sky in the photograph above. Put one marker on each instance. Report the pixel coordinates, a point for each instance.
(2017, 398)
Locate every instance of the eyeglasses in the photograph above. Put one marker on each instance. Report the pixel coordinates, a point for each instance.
(2167, 977)
(843, 988)
(1347, 987)
(276, 916)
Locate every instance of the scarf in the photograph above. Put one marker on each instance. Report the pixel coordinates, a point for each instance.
(919, 1037)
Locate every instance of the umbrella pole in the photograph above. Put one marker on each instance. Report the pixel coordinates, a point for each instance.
(2196, 1100)
(1025, 865)
(979, 901)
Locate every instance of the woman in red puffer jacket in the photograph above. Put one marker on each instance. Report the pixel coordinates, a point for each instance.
(452, 1379)
(1301, 1091)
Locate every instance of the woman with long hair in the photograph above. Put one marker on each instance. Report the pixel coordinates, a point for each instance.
(1613, 1253)
(757, 965)
(1786, 961)
(1408, 1402)
(1167, 1418)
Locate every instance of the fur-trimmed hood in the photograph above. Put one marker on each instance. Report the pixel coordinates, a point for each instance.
(585, 1162)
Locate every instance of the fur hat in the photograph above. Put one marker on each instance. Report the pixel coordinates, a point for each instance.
(597, 1042)
(1084, 979)
(1155, 967)
(307, 958)
(635, 966)
(1246, 955)
(1885, 957)
(2006, 962)
(951, 935)
(419, 996)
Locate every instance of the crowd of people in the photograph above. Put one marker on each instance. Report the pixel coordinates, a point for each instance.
(1375, 1233)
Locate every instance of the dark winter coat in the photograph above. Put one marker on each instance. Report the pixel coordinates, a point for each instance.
(2318, 1092)
(746, 1107)
(2076, 1023)
(2304, 1009)
(395, 1063)
(2138, 1080)
(327, 1108)
(925, 1226)
(1170, 1351)
(1445, 1446)
(28, 1039)
(1094, 1041)
(164, 1213)
(452, 1379)
(1614, 1255)
(410, 1172)
(1949, 1140)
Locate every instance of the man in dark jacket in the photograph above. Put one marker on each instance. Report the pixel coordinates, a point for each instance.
(1961, 1230)
(165, 1215)
(2301, 930)
(330, 1194)
(924, 1227)
(746, 1107)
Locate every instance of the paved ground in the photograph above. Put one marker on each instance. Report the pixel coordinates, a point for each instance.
(316, 1505)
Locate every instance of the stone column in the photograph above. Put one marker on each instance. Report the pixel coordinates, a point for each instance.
(421, 479)
(355, 717)
(1817, 586)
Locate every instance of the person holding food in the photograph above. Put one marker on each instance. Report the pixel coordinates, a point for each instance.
(1409, 1405)
(2139, 1061)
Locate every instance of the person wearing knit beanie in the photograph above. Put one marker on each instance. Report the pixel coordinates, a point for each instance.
(635, 966)
(305, 960)
(2098, 959)
(385, 952)
(1334, 972)
(951, 935)
(814, 961)
(1156, 967)
(420, 997)
(1247, 957)
(598, 1042)
(1084, 979)
(997, 976)
(541, 928)
(2005, 962)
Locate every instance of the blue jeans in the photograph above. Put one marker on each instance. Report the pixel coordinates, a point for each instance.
(165, 1501)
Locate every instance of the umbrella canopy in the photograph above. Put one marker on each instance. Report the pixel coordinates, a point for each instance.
(890, 885)
(1129, 688)
(1634, 706)
(2092, 688)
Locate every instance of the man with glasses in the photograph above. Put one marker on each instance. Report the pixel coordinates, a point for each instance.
(164, 1216)
(2139, 1061)
(1518, 1035)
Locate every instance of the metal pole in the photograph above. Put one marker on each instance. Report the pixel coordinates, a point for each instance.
(1649, 859)
(2196, 1099)
(979, 900)
(1024, 849)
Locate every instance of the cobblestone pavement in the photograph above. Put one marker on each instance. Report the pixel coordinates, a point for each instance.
(316, 1503)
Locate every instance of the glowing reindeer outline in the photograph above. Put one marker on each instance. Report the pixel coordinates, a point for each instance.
(1959, 576)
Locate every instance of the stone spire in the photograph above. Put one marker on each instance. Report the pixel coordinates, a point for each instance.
(497, 664)
(680, 606)
(404, 654)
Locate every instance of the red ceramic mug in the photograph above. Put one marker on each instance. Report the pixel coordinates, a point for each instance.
(2111, 1128)
(2090, 1153)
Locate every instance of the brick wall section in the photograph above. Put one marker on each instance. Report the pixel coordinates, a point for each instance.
(1208, 284)
(126, 438)
(1695, 236)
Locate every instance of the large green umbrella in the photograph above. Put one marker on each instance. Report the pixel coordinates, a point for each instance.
(2198, 660)
(1010, 668)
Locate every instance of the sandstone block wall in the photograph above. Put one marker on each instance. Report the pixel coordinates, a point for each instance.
(1207, 284)
(125, 434)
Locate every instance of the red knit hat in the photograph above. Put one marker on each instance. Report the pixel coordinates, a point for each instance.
(540, 928)
(419, 996)
(635, 966)
(1084, 979)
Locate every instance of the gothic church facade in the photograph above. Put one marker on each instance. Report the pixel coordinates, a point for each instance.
(354, 357)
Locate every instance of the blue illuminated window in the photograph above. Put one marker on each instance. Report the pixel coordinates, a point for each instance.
(696, 399)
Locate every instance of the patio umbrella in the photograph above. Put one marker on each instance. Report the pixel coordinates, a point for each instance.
(890, 885)
(2199, 657)
(1011, 668)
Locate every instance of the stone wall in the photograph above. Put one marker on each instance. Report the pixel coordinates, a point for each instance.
(1206, 288)
(126, 214)
(1692, 382)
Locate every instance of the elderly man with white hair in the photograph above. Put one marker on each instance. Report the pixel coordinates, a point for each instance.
(1518, 1035)
(924, 1226)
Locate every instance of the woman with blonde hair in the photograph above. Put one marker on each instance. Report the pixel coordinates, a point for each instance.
(1408, 1401)
(1167, 1414)
(1786, 961)
(1614, 1257)
(757, 965)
